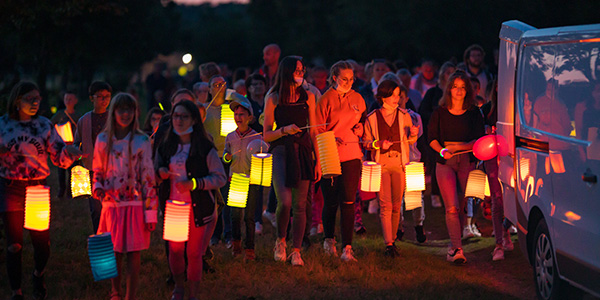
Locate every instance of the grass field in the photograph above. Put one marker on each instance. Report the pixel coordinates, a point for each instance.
(420, 273)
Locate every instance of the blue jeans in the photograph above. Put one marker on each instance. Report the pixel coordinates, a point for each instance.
(452, 179)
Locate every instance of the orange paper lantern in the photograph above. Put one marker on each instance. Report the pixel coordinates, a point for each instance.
(37, 208)
(177, 220)
(65, 132)
(370, 180)
(412, 200)
(328, 155)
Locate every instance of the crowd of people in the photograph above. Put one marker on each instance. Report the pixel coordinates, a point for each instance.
(379, 112)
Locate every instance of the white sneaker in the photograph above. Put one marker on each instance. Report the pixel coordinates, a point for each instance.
(296, 259)
(270, 217)
(316, 230)
(456, 256)
(279, 250)
(373, 207)
(475, 231)
(468, 232)
(258, 228)
(498, 253)
(507, 243)
(313, 231)
(513, 229)
(329, 247)
(348, 254)
(436, 201)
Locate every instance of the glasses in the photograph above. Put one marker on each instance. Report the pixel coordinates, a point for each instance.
(219, 84)
(300, 72)
(32, 99)
(101, 97)
(182, 117)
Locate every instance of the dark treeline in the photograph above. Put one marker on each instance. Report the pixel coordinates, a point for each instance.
(79, 40)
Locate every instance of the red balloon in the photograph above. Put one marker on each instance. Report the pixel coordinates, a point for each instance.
(502, 145)
(485, 147)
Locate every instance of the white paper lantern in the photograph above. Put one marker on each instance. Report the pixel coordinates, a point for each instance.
(37, 208)
(328, 155)
(261, 169)
(177, 221)
(476, 184)
(370, 180)
(412, 200)
(415, 177)
(238, 190)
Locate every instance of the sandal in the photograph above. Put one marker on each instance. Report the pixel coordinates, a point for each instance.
(115, 296)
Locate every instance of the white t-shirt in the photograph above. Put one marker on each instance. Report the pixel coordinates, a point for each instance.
(179, 173)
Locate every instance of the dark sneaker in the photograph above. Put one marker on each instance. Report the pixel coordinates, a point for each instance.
(361, 230)
(209, 254)
(39, 288)
(390, 251)
(399, 235)
(236, 248)
(170, 280)
(206, 268)
(421, 237)
(456, 256)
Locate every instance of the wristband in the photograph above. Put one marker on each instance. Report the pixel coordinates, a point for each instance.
(375, 145)
(442, 152)
(225, 159)
(194, 184)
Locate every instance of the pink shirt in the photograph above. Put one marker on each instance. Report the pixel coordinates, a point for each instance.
(342, 112)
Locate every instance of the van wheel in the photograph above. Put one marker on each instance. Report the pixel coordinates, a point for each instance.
(545, 272)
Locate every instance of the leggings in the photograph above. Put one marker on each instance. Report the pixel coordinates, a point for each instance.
(341, 191)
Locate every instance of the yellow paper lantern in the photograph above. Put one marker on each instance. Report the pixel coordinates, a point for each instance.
(261, 168)
(486, 190)
(412, 200)
(476, 184)
(80, 182)
(65, 132)
(328, 155)
(227, 121)
(415, 176)
(177, 221)
(370, 180)
(238, 190)
(37, 207)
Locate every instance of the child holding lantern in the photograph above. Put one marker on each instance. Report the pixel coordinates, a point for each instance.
(389, 131)
(189, 164)
(238, 155)
(26, 141)
(124, 182)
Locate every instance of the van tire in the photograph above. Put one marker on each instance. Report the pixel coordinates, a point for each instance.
(548, 285)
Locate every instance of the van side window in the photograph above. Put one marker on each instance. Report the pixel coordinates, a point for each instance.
(537, 63)
(577, 72)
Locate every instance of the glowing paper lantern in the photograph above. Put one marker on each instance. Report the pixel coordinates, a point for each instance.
(476, 184)
(177, 220)
(370, 180)
(328, 154)
(238, 190)
(261, 168)
(102, 256)
(227, 121)
(485, 147)
(65, 132)
(37, 207)
(412, 200)
(80, 182)
(486, 190)
(415, 176)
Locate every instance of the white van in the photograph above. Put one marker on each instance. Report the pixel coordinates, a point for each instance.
(549, 112)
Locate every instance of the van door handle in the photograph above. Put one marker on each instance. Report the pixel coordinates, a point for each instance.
(589, 177)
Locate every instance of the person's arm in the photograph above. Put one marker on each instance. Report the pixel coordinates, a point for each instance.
(433, 135)
(322, 114)
(216, 177)
(369, 136)
(98, 167)
(146, 170)
(312, 118)
(60, 155)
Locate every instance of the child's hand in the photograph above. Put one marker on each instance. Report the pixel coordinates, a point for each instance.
(150, 226)
(184, 186)
(386, 144)
(163, 173)
(99, 194)
(414, 130)
(228, 156)
(74, 151)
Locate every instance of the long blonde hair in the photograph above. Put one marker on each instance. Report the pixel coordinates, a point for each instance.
(121, 100)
